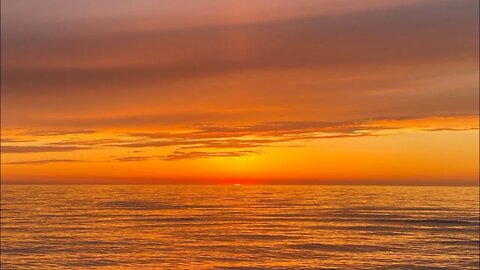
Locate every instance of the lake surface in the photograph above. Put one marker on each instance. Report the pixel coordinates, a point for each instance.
(239, 227)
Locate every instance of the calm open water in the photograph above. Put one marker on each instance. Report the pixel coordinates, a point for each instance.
(239, 227)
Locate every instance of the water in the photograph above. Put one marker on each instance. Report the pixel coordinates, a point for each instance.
(239, 227)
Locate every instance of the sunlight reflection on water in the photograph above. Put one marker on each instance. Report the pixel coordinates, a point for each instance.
(231, 227)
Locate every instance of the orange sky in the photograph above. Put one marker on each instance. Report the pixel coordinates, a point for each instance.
(261, 92)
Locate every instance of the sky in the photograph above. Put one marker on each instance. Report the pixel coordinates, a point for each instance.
(240, 91)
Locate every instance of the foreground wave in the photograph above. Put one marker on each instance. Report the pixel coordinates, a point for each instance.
(239, 227)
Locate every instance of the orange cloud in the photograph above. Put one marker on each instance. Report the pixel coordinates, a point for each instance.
(105, 90)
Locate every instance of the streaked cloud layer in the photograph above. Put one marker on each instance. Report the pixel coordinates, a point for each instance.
(191, 86)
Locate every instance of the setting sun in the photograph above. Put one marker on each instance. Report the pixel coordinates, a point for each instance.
(239, 134)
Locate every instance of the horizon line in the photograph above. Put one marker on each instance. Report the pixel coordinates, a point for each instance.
(233, 184)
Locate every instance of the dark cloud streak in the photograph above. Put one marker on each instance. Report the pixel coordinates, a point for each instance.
(42, 162)
(18, 149)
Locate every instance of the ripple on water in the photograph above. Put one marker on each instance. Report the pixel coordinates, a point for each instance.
(256, 227)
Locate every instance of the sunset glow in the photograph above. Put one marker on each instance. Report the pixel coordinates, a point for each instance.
(240, 92)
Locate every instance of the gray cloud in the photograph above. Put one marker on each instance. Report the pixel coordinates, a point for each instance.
(314, 41)
(11, 149)
(15, 140)
(422, 37)
(91, 142)
(42, 161)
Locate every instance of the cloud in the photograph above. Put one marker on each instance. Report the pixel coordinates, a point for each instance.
(235, 137)
(133, 158)
(298, 41)
(26, 135)
(179, 155)
(260, 135)
(42, 161)
(39, 148)
(57, 132)
(101, 121)
(290, 63)
(264, 134)
(90, 142)
(48, 161)
(14, 140)
(450, 129)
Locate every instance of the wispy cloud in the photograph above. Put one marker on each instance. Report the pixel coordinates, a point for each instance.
(39, 149)
(450, 129)
(15, 140)
(57, 132)
(132, 158)
(179, 155)
(42, 161)
(90, 142)
(260, 135)
(265, 134)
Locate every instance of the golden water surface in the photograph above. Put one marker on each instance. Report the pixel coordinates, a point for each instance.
(239, 227)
